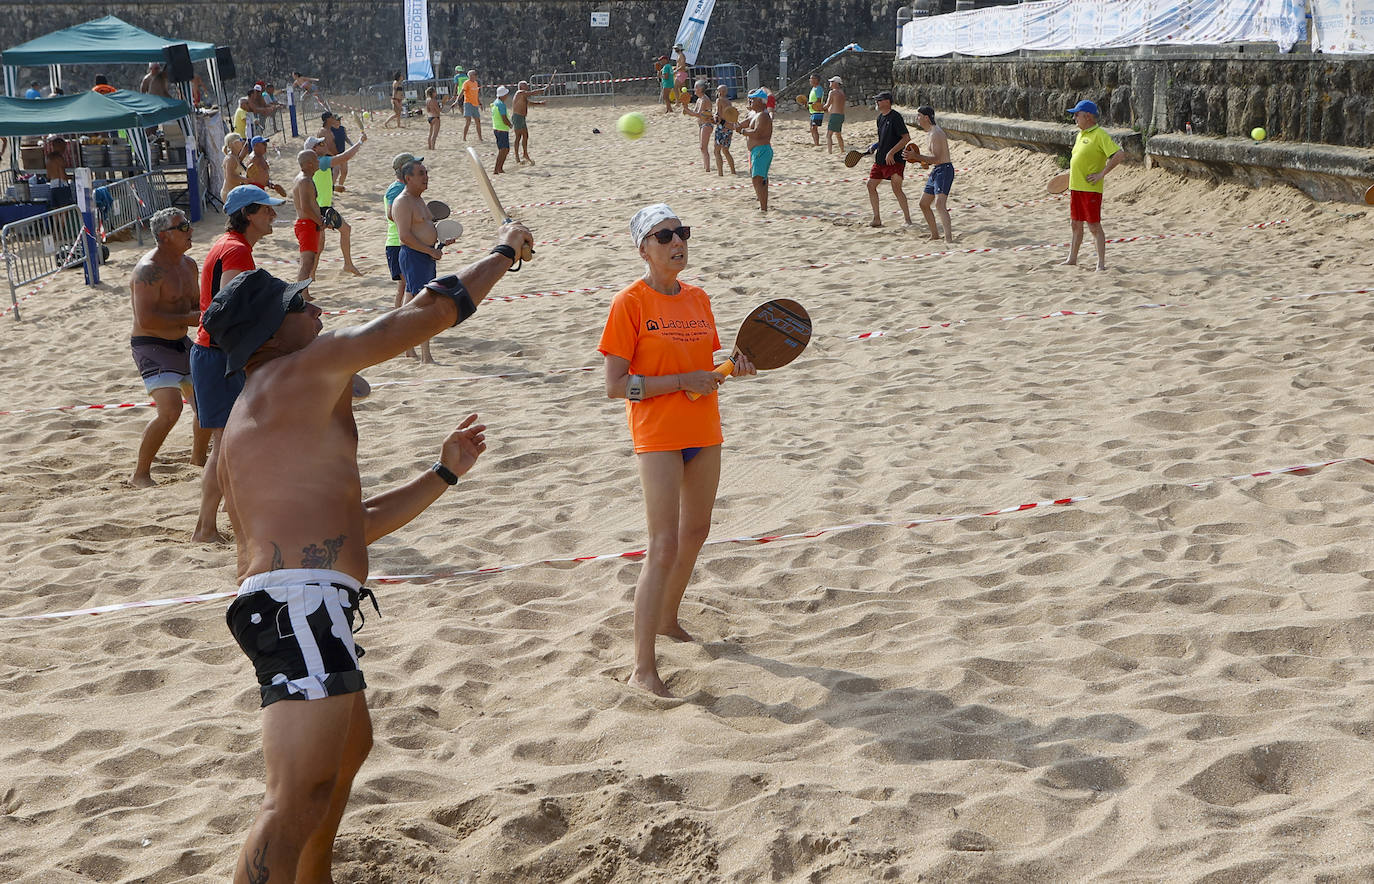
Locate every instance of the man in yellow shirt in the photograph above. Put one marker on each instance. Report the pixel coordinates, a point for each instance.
(1094, 155)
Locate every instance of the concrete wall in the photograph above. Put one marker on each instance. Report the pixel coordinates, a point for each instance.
(352, 42)
(1295, 98)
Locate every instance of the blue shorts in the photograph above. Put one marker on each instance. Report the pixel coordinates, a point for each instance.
(817, 119)
(941, 179)
(502, 139)
(473, 111)
(393, 261)
(417, 269)
(215, 393)
(760, 158)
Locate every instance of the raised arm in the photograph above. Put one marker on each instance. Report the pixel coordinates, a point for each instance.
(424, 316)
(384, 513)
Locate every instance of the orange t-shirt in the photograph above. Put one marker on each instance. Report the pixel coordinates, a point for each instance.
(470, 93)
(666, 334)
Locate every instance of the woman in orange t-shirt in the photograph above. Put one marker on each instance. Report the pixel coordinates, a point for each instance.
(659, 343)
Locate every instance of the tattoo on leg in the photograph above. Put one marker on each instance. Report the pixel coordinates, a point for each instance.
(277, 563)
(314, 556)
(257, 866)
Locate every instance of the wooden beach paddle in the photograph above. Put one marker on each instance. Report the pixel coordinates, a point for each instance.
(1059, 183)
(448, 229)
(358, 118)
(1369, 195)
(772, 335)
(730, 114)
(439, 210)
(493, 202)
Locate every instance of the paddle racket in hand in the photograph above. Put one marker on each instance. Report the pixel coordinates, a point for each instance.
(493, 202)
(771, 336)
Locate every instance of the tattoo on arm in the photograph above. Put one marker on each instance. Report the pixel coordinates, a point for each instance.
(324, 556)
(257, 866)
(277, 563)
(148, 274)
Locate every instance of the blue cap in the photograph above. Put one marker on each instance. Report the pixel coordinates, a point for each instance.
(759, 93)
(256, 140)
(1085, 105)
(247, 195)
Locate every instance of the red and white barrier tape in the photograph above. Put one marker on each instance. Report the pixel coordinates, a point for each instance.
(870, 335)
(757, 539)
(31, 292)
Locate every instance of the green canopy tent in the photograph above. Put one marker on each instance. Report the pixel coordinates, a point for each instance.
(108, 40)
(92, 112)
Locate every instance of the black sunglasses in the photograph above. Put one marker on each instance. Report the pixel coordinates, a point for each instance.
(297, 303)
(666, 236)
(184, 226)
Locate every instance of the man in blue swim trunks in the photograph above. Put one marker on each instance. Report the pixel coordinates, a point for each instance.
(941, 179)
(758, 132)
(815, 103)
(420, 245)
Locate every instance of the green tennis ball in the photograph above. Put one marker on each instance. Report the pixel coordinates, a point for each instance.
(1258, 133)
(631, 125)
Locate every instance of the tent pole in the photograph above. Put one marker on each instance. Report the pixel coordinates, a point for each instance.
(54, 78)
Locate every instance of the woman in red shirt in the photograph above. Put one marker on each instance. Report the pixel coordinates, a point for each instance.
(659, 343)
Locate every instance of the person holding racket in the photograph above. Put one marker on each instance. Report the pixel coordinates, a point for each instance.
(889, 159)
(659, 343)
(1094, 155)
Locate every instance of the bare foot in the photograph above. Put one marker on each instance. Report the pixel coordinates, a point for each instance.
(530, 161)
(875, 223)
(651, 683)
(428, 360)
(142, 482)
(349, 268)
(1101, 266)
(1069, 262)
(211, 537)
(410, 354)
(934, 237)
(198, 460)
(677, 633)
(341, 187)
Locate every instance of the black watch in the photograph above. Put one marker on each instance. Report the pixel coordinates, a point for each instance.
(444, 473)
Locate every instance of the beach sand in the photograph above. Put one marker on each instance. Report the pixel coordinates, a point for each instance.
(1165, 681)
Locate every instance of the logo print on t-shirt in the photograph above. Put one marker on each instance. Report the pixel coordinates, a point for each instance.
(651, 326)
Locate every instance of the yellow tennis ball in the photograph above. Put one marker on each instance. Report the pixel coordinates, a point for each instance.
(631, 125)
(1258, 133)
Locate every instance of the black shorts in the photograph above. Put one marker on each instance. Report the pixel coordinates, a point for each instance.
(393, 261)
(296, 626)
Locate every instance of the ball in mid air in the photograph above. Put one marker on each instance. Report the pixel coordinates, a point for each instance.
(631, 125)
(1258, 133)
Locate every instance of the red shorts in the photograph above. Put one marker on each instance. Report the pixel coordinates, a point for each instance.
(307, 234)
(881, 172)
(1084, 205)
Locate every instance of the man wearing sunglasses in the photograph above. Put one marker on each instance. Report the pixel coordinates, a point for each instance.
(289, 468)
(166, 301)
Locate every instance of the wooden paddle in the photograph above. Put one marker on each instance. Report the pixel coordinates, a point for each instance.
(1369, 195)
(730, 114)
(772, 335)
(439, 210)
(1059, 183)
(448, 229)
(493, 202)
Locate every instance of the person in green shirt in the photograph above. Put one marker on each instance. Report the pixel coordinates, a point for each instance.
(1094, 155)
(501, 125)
(815, 104)
(665, 82)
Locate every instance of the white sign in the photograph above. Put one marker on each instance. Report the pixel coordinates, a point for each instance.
(693, 27)
(418, 66)
(601, 19)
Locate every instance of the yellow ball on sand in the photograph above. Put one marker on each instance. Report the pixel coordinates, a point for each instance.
(631, 125)
(1258, 134)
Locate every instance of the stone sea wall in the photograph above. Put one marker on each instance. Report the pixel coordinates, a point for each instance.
(1302, 98)
(354, 42)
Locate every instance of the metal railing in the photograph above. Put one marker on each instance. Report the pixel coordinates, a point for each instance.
(731, 75)
(130, 202)
(41, 246)
(576, 84)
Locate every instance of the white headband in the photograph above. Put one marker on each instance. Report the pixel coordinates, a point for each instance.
(647, 218)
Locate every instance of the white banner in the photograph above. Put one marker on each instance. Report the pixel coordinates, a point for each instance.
(418, 66)
(1343, 26)
(1102, 24)
(693, 27)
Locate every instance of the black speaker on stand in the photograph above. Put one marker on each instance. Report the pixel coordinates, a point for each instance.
(224, 58)
(179, 67)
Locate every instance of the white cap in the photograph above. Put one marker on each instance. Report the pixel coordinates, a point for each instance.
(837, 80)
(502, 92)
(647, 218)
(312, 141)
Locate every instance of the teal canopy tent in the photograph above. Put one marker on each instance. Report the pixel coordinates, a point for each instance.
(107, 40)
(91, 112)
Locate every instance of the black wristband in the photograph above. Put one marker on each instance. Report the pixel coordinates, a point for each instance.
(444, 473)
(506, 252)
(452, 287)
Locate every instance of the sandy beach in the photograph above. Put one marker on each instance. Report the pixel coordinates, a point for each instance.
(1160, 674)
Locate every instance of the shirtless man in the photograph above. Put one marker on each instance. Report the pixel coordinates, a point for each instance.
(519, 110)
(309, 219)
(941, 179)
(758, 133)
(166, 301)
(258, 171)
(835, 106)
(155, 81)
(725, 130)
(290, 474)
(420, 246)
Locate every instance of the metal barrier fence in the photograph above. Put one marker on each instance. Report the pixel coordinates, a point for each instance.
(41, 246)
(730, 75)
(377, 96)
(578, 84)
(130, 202)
